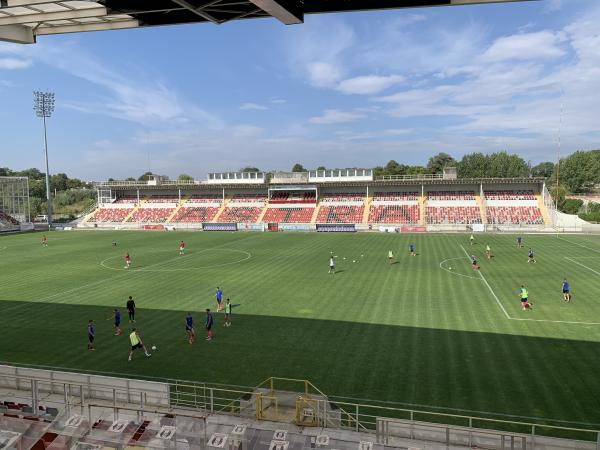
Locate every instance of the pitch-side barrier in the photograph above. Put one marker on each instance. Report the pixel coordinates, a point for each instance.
(291, 401)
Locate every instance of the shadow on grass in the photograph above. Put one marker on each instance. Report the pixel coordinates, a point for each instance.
(460, 372)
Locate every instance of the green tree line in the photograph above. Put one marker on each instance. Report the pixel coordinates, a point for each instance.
(69, 195)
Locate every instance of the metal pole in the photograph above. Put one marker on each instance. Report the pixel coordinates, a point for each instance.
(81, 397)
(48, 200)
(67, 408)
(470, 432)
(115, 412)
(34, 396)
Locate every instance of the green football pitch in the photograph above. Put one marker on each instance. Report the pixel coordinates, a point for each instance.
(426, 331)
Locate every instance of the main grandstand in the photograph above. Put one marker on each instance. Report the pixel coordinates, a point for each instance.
(321, 199)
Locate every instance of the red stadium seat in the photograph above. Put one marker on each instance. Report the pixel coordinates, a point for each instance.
(110, 214)
(288, 215)
(195, 214)
(341, 214)
(244, 214)
(402, 214)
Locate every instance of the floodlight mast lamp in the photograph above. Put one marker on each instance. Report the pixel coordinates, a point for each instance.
(43, 105)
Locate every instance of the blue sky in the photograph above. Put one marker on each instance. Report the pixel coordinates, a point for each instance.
(342, 90)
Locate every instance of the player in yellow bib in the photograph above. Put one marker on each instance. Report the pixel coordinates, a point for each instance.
(524, 294)
(136, 342)
(391, 257)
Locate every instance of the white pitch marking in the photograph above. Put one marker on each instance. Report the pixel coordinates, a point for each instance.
(490, 288)
(577, 243)
(556, 321)
(582, 265)
(145, 269)
(455, 273)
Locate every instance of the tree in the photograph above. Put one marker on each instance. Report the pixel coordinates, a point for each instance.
(439, 162)
(392, 168)
(579, 172)
(130, 179)
(414, 170)
(5, 172)
(32, 174)
(321, 168)
(543, 170)
(250, 169)
(473, 165)
(59, 181)
(504, 165)
(185, 177)
(146, 176)
(298, 168)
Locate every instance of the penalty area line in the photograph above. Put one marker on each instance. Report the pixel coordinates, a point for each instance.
(583, 265)
(489, 287)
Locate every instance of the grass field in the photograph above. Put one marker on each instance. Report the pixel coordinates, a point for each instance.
(424, 331)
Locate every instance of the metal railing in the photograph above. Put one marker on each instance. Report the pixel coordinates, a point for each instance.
(419, 177)
(292, 400)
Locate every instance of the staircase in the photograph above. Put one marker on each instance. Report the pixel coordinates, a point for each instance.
(176, 210)
(135, 208)
(313, 219)
(482, 208)
(422, 208)
(368, 201)
(263, 212)
(220, 211)
(543, 209)
(88, 213)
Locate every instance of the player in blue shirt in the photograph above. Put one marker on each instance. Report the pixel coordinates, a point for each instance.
(411, 249)
(474, 264)
(189, 328)
(519, 241)
(566, 292)
(219, 297)
(117, 318)
(530, 255)
(91, 335)
(208, 323)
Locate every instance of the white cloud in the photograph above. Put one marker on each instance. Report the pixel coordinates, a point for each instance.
(247, 131)
(553, 6)
(398, 131)
(253, 106)
(323, 74)
(14, 63)
(316, 51)
(542, 45)
(369, 84)
(332, 116)
(278, 101)
(129, 93)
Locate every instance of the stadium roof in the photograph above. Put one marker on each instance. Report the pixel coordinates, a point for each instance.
(21, 21)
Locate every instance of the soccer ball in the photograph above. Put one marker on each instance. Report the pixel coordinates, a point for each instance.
(154, 347)
(353, 260)
(450, 268)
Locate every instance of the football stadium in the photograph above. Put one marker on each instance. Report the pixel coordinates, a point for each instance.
(338, 309)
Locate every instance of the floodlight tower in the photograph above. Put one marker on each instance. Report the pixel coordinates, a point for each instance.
(43, 105)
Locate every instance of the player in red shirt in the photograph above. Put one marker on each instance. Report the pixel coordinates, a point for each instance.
(127, 261)
(181, 247)
(44, 240)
